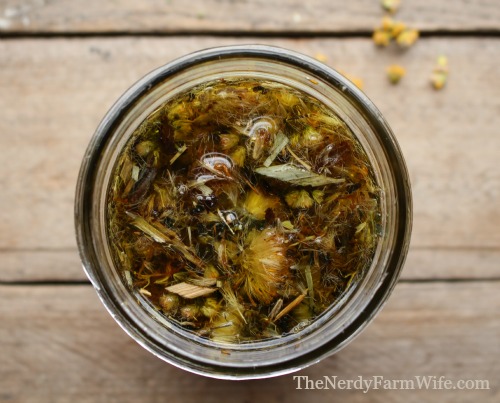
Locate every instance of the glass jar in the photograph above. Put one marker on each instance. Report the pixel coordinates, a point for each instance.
(329, 332)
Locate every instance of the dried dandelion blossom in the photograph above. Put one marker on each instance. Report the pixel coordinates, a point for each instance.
(407, 38)
(257, 204)
(226, 328)
(228, 141)
(395, 73)
(390, 30)
(169, 302)
(390, 6)
(264, 266)
(440, 73)
(299, 199)
(239, 155)
(381, 37)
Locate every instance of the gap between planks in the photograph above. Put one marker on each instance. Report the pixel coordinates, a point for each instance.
(442, 33)
(223, 16)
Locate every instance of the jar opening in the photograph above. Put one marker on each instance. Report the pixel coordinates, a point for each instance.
(243, 200)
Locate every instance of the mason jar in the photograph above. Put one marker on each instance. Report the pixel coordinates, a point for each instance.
(331, 330)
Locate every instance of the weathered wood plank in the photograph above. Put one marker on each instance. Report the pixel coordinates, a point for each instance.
(430, 263)
(172, 16)
(55, 91)
(41, 265)
(422, 263)
(58, 344)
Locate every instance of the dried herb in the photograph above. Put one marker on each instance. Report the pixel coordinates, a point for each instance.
(395, 73)
(242, 209)
(390, 6)
(390, 30)
(440, 73)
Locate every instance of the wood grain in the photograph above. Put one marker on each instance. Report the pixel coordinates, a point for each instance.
(54, 92)
(279, 16)
(41, 265)
(18, 266)
(59, 345)
(62, 65)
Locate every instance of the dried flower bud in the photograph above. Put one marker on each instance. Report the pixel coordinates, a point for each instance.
(407, 38)
(226, 327)
(302, 312)
(210, 272)
(144, 148)
(169, 302)
(190, 312)
(440, 74)
(238, 156)
(395, 73)
(318, 196)
(390, 5)
(210, 308)
(228, 141)
(299, 199)
(311, 137)
(397, 28)
(264, 265)
(287, 99)
(387, 24)
(381, 37)
(390, 29)
(257, 204)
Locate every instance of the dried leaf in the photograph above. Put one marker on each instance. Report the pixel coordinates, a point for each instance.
(297, 176)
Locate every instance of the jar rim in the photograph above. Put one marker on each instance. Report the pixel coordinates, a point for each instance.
(85, 203)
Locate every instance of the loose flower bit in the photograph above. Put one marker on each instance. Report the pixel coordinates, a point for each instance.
(440, 74)
(407, 37)
(395, 73)
(390, 5)
(390, 30)
(242, 209)
(299, 199)
(381, 37)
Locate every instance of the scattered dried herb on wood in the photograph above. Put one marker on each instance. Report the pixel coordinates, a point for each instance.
(439, 75)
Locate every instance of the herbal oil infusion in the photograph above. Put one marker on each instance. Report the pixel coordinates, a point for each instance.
(243, 211)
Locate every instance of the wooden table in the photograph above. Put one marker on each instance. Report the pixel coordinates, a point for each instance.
(62, 65)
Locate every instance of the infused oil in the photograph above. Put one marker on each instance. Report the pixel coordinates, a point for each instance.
(243, 209)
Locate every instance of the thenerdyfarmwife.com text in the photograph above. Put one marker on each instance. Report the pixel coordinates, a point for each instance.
(430, 382)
